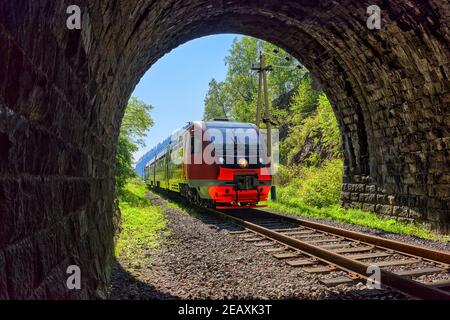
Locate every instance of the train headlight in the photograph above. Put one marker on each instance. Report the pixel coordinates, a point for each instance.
(243, 163)
(221, 160)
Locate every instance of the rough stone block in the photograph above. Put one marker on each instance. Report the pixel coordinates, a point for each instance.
(383, 209)
(415, 214)
(20, 269)
(345, 196)
(3, 278)
(400, 211)
(368, 207)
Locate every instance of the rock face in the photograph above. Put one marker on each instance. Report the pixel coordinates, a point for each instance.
(313, 146)
(63, 92)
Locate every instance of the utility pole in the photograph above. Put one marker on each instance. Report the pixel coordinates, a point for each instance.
(262, 71)
(260, 84)
(267, 119)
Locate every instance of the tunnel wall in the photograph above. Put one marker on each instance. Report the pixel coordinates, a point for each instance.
(56, 178)
(63, 93)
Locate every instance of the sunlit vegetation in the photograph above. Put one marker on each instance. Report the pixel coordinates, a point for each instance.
(143, 224)
(236, 96)
(314, 186)
(135, 123)
(301, 112)
(296, 206)
(311, 163)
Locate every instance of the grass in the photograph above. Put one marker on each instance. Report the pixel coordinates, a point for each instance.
(181, 208)
(314, 192)
(353, 216)
(143, 224)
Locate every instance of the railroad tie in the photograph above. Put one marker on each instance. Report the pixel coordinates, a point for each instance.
(354, 249)
(275, 249)
(323, 240)
(305, 236)
(336, 281)
(368, 255)
(246, 235)
(265, 244)
(419, 272)
(301, 262)
(321, 269)
(334, 246)
(294, 233)
(394, 262)
(240, 232)
(254, 239)
(290, 229)
(286, 255)
(440, 284)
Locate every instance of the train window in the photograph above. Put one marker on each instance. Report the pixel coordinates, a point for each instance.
(235, 141)
(196, 145)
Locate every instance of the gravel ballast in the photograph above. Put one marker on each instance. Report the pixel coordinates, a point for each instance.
(204, 261)
(436, 245)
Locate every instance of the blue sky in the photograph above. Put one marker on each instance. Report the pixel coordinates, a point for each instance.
(177, 83)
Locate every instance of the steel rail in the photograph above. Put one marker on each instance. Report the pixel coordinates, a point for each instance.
(435, 255)
(411, 288)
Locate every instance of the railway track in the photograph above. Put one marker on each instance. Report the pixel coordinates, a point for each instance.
(417, 272)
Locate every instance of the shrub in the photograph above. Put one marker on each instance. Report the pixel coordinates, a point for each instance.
(315, 186)
(322, 186)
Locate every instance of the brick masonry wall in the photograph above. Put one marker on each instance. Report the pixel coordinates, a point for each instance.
(63, 93)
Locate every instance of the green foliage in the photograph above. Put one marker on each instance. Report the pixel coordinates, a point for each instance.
(314, 186)
(143, 224)
(286, 174)
(135, 123)
(314, 192)
(321, 186)
(305, 100)
(124, 161)
(320, 120)
(236, 96)
(295, 206)
(216, 102)
(312, 189)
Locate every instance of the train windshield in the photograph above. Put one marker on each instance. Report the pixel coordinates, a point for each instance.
(232, 143)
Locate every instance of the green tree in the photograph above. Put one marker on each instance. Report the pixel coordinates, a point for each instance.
(237, 94)
(318, 121)
(135, 123)
(216, 102)
(294, 101)
(304, 101)
(241, 83)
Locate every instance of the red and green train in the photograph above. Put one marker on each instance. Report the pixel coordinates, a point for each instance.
(217, 163)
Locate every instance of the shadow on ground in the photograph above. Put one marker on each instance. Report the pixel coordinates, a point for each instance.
(219, 224)
(124, 286)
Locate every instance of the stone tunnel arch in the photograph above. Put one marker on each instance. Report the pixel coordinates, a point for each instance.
(62, 95)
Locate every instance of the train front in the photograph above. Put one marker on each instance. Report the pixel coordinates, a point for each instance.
(243, 170)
